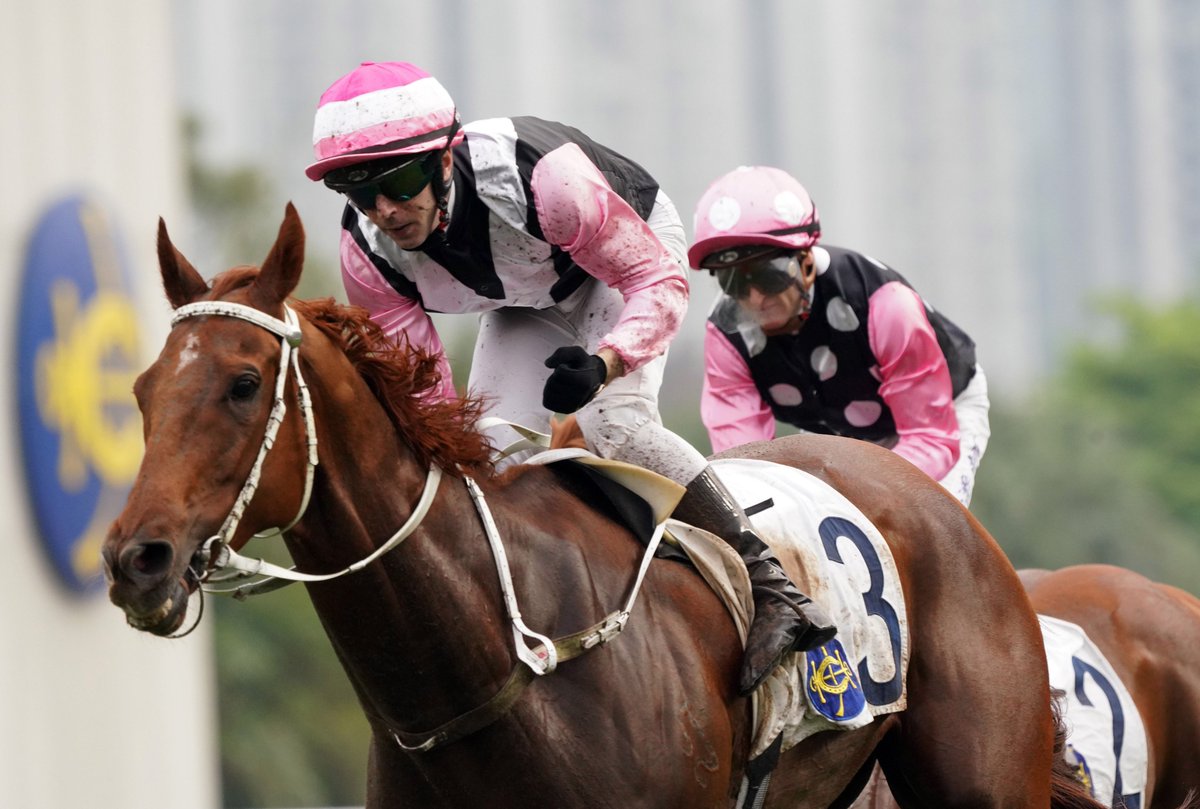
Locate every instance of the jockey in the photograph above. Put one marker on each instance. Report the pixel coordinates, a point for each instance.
(572, 255)
(827, 339)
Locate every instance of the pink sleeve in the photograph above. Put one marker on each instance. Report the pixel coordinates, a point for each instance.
(915, 379)
(396, 314)
(730, 405)
(581, 213)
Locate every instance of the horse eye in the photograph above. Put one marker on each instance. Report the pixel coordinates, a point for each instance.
(244, 387)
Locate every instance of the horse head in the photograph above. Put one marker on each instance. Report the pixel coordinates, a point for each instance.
(205, 403)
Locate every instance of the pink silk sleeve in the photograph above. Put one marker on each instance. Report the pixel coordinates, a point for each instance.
(394, 313)
(730, 405)
(915, 379)
(581, 213)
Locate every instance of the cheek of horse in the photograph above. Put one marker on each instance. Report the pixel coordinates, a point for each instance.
(281, 482)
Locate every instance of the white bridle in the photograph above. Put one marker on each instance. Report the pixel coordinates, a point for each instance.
(219, 562)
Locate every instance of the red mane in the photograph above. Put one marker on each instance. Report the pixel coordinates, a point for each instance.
(404, 380)
(401, 377)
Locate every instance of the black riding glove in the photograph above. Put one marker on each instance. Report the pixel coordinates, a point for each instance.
(577, 377)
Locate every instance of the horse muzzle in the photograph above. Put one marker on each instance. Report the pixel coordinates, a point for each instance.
(164, 620)
(144, 584)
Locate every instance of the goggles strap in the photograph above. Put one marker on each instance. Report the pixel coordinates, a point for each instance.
(811, 228)
(441, 188)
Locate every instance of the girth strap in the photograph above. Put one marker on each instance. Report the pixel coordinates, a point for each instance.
(479, 717)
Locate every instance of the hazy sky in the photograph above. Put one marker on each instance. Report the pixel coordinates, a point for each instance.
(1011, 160)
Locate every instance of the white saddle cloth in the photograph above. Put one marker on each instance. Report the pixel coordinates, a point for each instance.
(835, 555)
(1106, 740)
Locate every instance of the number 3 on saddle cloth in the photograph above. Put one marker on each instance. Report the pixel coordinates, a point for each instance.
(1106, 740)
(830, 550)
(833, 553)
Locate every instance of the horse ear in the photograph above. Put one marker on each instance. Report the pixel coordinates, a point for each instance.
(281, 271)
(180, 280)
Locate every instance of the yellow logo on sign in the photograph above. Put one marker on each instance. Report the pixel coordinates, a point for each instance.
(84, 387)
(85, 394)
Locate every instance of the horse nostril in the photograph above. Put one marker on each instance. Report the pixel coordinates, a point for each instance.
(147, 559)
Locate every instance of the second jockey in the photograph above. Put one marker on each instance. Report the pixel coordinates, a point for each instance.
(827, 339)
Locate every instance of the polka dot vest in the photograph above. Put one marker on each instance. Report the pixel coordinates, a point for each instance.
(825, 378)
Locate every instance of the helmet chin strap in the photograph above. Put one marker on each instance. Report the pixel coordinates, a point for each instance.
(806, 279)
(442, 186)
(441, 195)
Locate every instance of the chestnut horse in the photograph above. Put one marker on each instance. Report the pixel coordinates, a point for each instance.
(640, 713)
(1150, 635)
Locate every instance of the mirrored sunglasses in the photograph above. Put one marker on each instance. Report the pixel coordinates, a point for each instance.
(769, 273)
(399, 183)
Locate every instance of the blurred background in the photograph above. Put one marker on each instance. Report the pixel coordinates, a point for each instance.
(1032, 167)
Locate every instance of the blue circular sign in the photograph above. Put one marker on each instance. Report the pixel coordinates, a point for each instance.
(77, 358)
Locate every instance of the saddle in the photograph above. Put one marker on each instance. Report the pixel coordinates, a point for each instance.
(827, 546)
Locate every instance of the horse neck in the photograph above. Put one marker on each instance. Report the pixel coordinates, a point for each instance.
(420, 631)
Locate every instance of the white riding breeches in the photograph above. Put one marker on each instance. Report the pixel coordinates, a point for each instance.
(622, 422)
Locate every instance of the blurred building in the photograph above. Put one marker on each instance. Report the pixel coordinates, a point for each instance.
(92, 713)
(1013, 160)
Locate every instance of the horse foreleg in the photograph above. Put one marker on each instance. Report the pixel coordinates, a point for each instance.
(825, 768)
(863, 790)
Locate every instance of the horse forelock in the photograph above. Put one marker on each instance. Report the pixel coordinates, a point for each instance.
(232, 280)
(406, 380)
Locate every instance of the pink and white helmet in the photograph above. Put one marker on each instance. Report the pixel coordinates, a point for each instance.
(753, 205)
(381, 109)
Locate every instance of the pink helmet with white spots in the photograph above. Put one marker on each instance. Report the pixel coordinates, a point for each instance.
(381, 109)
(753, 205)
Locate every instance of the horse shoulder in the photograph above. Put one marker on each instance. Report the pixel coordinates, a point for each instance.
(575, 563)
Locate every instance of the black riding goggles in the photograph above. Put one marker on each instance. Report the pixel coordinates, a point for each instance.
(398, 181)
(769, 271)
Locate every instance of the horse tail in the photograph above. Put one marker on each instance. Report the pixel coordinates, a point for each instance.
(1066, 790)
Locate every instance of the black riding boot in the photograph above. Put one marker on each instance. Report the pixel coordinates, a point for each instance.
(785, 620)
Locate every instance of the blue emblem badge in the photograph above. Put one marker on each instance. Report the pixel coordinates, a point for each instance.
(1083, 773)
(832, 684)
(77, 357)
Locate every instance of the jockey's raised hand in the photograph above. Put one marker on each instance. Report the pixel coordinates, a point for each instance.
(577, 377)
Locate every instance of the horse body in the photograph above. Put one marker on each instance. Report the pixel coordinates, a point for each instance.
(450, 649)
(648, 720)
(1150, 634)
(974, 639)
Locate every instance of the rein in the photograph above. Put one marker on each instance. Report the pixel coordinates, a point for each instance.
(218, 562)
